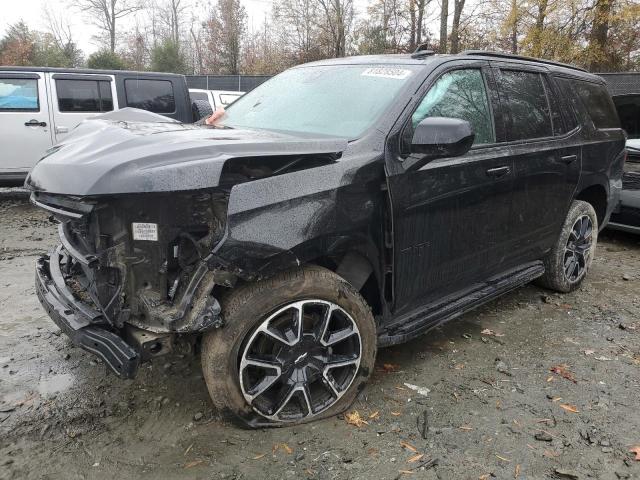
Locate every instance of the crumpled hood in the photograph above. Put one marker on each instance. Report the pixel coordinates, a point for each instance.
(111, 155)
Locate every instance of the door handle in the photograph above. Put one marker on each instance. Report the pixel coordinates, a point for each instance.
(61, 129)
(35, 123)
(568, 159)
(499, 171)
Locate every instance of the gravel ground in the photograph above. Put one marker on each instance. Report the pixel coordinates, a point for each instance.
(534, 385)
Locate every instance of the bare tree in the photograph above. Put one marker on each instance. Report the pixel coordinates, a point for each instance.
(444, 18)
(338, 19)
(171, 15)
(58, 27)
(105, 14)
(298, 25)
(458, 6)
(416, 23)
(225, 33)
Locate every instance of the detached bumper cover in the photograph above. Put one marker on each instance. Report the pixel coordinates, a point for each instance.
(79, 321)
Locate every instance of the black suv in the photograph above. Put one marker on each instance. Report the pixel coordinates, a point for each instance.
(342, 206)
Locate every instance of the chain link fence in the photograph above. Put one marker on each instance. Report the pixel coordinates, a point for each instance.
(239, 83)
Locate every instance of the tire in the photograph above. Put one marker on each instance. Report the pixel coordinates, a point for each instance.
(562, 273)
(259, 319)
(201, 109)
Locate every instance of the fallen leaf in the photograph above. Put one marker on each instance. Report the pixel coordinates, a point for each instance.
(486, 476)
(415, 458)
(516, 472)
(374, 415)
(396, 414)
(258, 457)
(550, 379)
(550, 454)
(355, 419)
(564, 372)
(569, 408)
(408, 446)
(491, 333)
(636, 450)
(390, 367)
(459, 366)
(287, 448)
(193, 464)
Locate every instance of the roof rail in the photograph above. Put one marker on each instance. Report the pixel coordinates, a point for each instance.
(422, 50)
(520, 57)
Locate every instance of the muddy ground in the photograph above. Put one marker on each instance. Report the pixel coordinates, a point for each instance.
(494, 410)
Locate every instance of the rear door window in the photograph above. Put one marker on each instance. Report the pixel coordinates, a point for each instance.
(460, 94)
(84, 96)
(575, 110)
(557, 119)
(19, 95)
(527, 105)
(152, 95)
(598, 103)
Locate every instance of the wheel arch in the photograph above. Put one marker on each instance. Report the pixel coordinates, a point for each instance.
(596, 195)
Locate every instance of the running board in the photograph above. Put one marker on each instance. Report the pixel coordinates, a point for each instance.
(419, 322)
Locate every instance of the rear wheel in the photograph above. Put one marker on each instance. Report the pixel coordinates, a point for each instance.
(295, 348)
(569, 260)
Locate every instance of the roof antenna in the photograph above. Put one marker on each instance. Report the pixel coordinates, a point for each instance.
(422, 50)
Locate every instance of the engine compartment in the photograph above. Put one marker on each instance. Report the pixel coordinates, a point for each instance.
(154, 277)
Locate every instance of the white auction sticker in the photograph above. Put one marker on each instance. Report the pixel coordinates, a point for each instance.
(387, 72)
(145, 231)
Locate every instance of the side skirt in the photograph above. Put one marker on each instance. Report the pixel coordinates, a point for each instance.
(420, 321)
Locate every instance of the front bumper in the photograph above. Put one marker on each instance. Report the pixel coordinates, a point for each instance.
(82, 323)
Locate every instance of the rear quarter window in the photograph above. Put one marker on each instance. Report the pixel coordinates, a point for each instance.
(598, 104)
(151, 95)
(19, 95)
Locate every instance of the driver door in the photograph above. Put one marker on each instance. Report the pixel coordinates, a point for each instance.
(451, 217)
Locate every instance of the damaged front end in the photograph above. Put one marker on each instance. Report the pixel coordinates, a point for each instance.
(132, 272)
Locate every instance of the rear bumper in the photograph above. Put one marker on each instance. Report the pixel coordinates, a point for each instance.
(79, 321)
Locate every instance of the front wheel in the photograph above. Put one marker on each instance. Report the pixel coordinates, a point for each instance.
(569, 260)
(295, 348)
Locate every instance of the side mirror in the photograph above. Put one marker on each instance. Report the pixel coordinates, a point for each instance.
(438, 137)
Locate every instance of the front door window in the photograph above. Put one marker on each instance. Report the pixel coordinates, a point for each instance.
(460, 94)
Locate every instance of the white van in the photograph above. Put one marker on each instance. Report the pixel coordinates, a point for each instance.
(40, 106)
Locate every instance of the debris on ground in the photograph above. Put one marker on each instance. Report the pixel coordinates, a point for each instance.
(61, 413)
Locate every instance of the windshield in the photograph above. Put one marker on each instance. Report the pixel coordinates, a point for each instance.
(340, 100)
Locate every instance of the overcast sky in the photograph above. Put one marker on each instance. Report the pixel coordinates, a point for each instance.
(32, 12)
